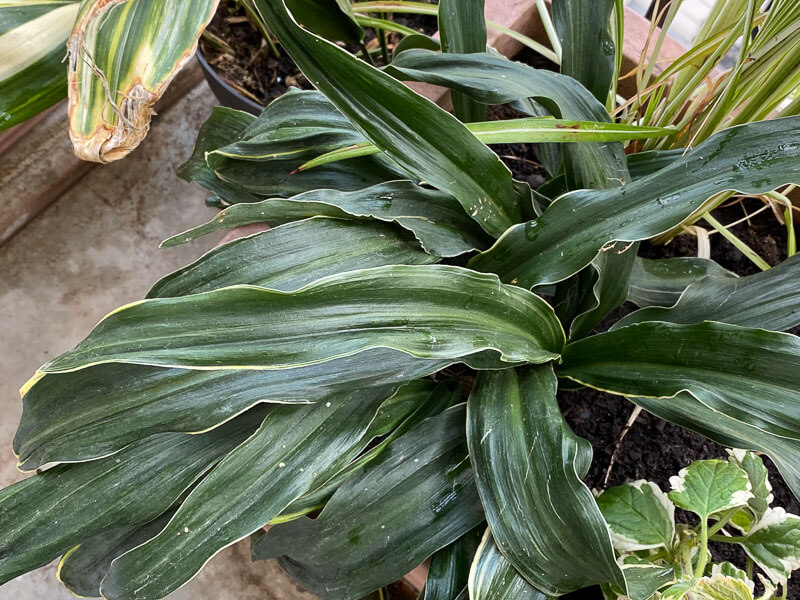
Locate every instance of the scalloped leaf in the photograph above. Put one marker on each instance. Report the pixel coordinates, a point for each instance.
(639, 515)
(707, 487)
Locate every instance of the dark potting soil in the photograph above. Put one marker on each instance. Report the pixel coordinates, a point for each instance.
(255, 71)
(521, 159)
(251, 68)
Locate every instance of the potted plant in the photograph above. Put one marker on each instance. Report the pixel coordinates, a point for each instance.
(106, 125)
(387, 358)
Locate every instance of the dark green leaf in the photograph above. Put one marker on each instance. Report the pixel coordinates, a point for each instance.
(96, 411)
(642, 164)
(462, 29)
(396, 409)
(492, 577)
(435, 218)
(752, 158)
(83, 567)
(770, 300)
(223, 125)
(250, 487)
(298, 124)
(433, 311)
(420, 136)
(527, 465)
(262, 156)
(586, 42)
(449, 568)
(417, 40)
(493, 79)
(444, 395)
(748, 374)
(417, 497)
(609, 290)
(660, 282)
(293, 255)
(45, 515)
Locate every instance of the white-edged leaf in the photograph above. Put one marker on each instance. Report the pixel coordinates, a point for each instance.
(760, 486)
(639, 516)
(774, 544)
(707, 487)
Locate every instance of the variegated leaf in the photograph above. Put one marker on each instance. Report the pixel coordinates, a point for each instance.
(707, 487)
(774, 544)
(758, 475)
(33, 37)
(123, 55)
(639, 516)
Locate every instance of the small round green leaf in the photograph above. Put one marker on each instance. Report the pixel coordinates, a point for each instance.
(639, 516)
(774, 544)
(709, 486)
(758, 475)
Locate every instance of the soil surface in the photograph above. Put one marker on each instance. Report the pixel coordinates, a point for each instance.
(254, 70)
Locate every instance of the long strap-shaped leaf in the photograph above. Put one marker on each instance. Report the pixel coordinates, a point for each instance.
(494, 79)
(251, 486)
(492, 577)
(593, 293)
(660, 282)
(527, 130)
(770, 300)
(413, 131)
(93, 412)
(436, 312)
(751, 159)
(416, 498)
(751, 375)
(436, 219)
(223, 125)
(408, 407)
(33, 76)
(588, 49)
(262, 154)
(462, 29)
(448, 572)
(123, 55)
(528, 466)
(83, 567)
(43, 516)
(293, 255)
(298, 123)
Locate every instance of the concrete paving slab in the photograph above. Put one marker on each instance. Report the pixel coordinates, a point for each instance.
(91, 251)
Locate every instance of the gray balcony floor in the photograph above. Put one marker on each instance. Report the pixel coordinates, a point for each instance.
(93, 250)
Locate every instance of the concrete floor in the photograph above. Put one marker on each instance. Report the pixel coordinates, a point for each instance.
(93, 250)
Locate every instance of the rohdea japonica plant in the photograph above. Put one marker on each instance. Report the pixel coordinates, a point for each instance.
(312, 377)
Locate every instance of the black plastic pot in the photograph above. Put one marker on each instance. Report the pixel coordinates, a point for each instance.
(226, 94)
